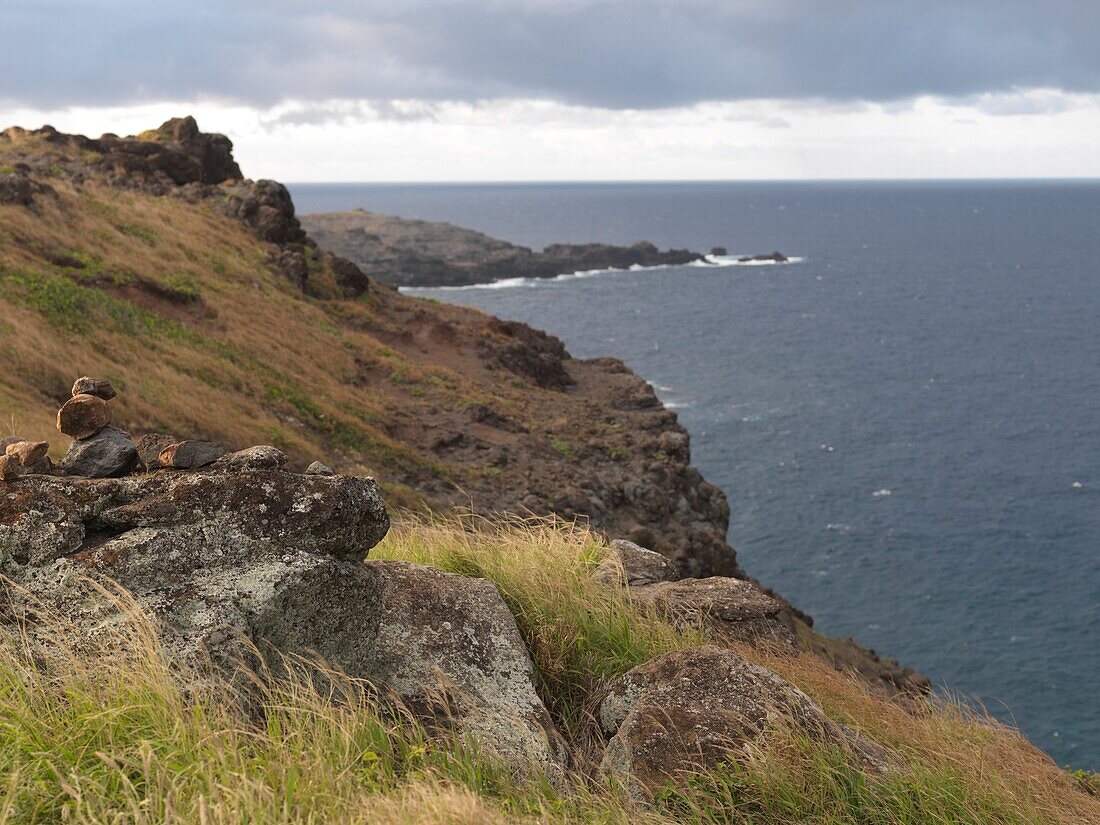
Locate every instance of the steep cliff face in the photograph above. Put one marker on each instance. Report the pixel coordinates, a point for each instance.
(151, 261)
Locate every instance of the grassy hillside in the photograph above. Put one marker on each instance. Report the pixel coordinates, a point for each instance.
(115, 740)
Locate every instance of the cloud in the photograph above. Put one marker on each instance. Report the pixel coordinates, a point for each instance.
(616, 54)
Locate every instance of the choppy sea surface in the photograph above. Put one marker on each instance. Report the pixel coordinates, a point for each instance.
(906, 420)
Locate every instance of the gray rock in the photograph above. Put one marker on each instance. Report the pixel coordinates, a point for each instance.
(151, 445)
(260, 457)
(82, 416)
(226, 560)
(724, 608)
(99, 387)
(190, 455)
(319, 469)
(693, 709)
(10, 468)
(447, 636)
(107, 454)
(627, 563)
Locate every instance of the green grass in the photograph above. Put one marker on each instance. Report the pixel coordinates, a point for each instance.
(74, 307)
(561, 446)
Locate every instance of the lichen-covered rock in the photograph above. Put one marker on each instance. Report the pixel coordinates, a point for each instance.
(317, 468)
(99, 387)
(190, 455)
(629, 564)
(724, 608)
(82, 416)
(227, 559)
(260, 457)
(451, 639)
(694, 709)
(109, 453)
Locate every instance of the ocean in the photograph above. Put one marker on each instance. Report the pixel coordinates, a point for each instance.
(906, 421)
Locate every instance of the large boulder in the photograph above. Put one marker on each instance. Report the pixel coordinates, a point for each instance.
(241, 556)
(697, 708)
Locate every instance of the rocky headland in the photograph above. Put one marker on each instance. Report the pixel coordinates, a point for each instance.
(408, 252)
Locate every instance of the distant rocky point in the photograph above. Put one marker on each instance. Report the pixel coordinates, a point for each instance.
(430, 253)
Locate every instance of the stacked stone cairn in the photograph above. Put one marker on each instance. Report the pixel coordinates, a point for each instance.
(102, 450)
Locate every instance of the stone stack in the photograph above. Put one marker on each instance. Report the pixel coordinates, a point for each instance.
(99, 450)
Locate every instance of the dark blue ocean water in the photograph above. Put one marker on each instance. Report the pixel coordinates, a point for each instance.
(907, 423)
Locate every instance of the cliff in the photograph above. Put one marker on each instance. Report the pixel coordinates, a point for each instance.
(409, 252)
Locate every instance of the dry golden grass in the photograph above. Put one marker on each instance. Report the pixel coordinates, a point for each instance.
(178, 307)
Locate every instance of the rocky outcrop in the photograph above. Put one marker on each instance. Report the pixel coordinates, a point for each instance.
(694, 709)
(266, 207)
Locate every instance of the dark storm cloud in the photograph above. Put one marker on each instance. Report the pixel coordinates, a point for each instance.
(642, 54)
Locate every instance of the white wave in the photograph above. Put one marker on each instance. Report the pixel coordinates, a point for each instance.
(881, 493)
(735, 260)
(679, 405)
(708, 262)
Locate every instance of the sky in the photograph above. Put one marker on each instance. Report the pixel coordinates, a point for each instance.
(458, 90)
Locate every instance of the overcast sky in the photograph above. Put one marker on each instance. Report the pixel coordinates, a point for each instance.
(577, 89)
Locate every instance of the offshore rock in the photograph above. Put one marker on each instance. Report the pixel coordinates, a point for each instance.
(694, 709)
(107, 454)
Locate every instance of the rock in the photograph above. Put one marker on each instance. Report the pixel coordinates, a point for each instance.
(777, 257)
(446, 645)
(83, 416)
(628, 564)
(225, 560)
(11, 439)
(16, 188)
(99, 387)
(27, 453)
(267, 208)
(107, 454)
(151, 445)
(725, 608)
(44, 466)
(719, 251)
(10, 468)
(693, 709)
(261, 457)
(349, 277)
(190, 455)
(319, 469)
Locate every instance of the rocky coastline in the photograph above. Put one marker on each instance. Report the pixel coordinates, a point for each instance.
(407, 252)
